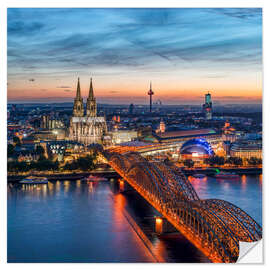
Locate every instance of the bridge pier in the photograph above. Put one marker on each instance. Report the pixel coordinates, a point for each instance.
(121, 185)
(162, 226)
(124, 186)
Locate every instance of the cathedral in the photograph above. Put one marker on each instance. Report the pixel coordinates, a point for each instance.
(87, 128)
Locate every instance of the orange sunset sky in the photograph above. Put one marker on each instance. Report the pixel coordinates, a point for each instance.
(179, 50)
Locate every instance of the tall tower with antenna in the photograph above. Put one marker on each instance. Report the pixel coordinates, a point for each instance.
(150, 93)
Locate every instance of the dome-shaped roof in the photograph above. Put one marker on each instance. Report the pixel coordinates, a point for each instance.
(198, 146)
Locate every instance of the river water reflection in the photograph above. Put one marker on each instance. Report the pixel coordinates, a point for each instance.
(74, 221)
(246, 192)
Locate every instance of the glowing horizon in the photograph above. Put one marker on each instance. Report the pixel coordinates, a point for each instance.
(124, 49)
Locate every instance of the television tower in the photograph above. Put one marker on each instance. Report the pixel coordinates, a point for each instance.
(150, 93)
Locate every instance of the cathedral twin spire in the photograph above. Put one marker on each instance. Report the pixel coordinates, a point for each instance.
(78, 109)
(91, 92)
(91, 106)
(78, 95)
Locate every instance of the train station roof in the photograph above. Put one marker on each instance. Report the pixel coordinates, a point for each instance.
(185, 134)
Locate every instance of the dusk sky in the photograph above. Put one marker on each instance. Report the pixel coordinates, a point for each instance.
(184, 52)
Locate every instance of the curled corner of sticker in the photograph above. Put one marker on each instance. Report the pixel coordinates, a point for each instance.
(250, 252)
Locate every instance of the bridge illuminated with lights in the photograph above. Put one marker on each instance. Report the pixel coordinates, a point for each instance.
(214, 226)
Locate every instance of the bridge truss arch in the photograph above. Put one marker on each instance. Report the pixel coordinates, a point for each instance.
(213, 226)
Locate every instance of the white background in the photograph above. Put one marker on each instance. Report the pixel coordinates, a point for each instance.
(4, 4)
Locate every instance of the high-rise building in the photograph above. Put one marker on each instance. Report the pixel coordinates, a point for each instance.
(207, 107)
(131, 108)
(88, 128)
(150, 93)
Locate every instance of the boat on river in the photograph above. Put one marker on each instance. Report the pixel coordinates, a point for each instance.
(227, 175)
(198, 175)
(93, 178)
(34, 180)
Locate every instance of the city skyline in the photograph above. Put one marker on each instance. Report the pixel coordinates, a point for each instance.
(124, 49)
(134, 135)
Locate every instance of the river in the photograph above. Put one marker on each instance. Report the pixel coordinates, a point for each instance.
(74, 221)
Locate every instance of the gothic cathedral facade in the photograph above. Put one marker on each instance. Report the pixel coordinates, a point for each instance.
(89, 128)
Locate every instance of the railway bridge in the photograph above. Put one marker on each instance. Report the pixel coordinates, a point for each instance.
(214, 226)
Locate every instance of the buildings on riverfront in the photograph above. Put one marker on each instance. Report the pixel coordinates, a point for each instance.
(165, 129)
(246, 149)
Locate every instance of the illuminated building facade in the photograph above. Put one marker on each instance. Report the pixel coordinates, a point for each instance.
(60, 149)
(207, 107)
(121, 136)
(229, 133)
(196, 148)
(162, 127)
(116, 118)
(44, 135)
(51, 123)
(246, 149)
(87, 128)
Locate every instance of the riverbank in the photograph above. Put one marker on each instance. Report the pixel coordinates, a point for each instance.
(56, 176)
(63, 176)
(212, 171)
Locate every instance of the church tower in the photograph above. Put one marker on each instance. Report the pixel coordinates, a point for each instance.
(91, 105)
(78, 109)
(89, 128)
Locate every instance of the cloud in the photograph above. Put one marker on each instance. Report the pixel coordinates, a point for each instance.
(241, 13)
(223, 98)
(113, 92)
(228, 97)
(119, 43)
(20, 28)
(214, 76)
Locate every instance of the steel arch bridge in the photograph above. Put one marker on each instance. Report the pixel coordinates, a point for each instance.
(214, 226)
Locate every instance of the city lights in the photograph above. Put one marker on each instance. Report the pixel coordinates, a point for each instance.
(133, 134)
